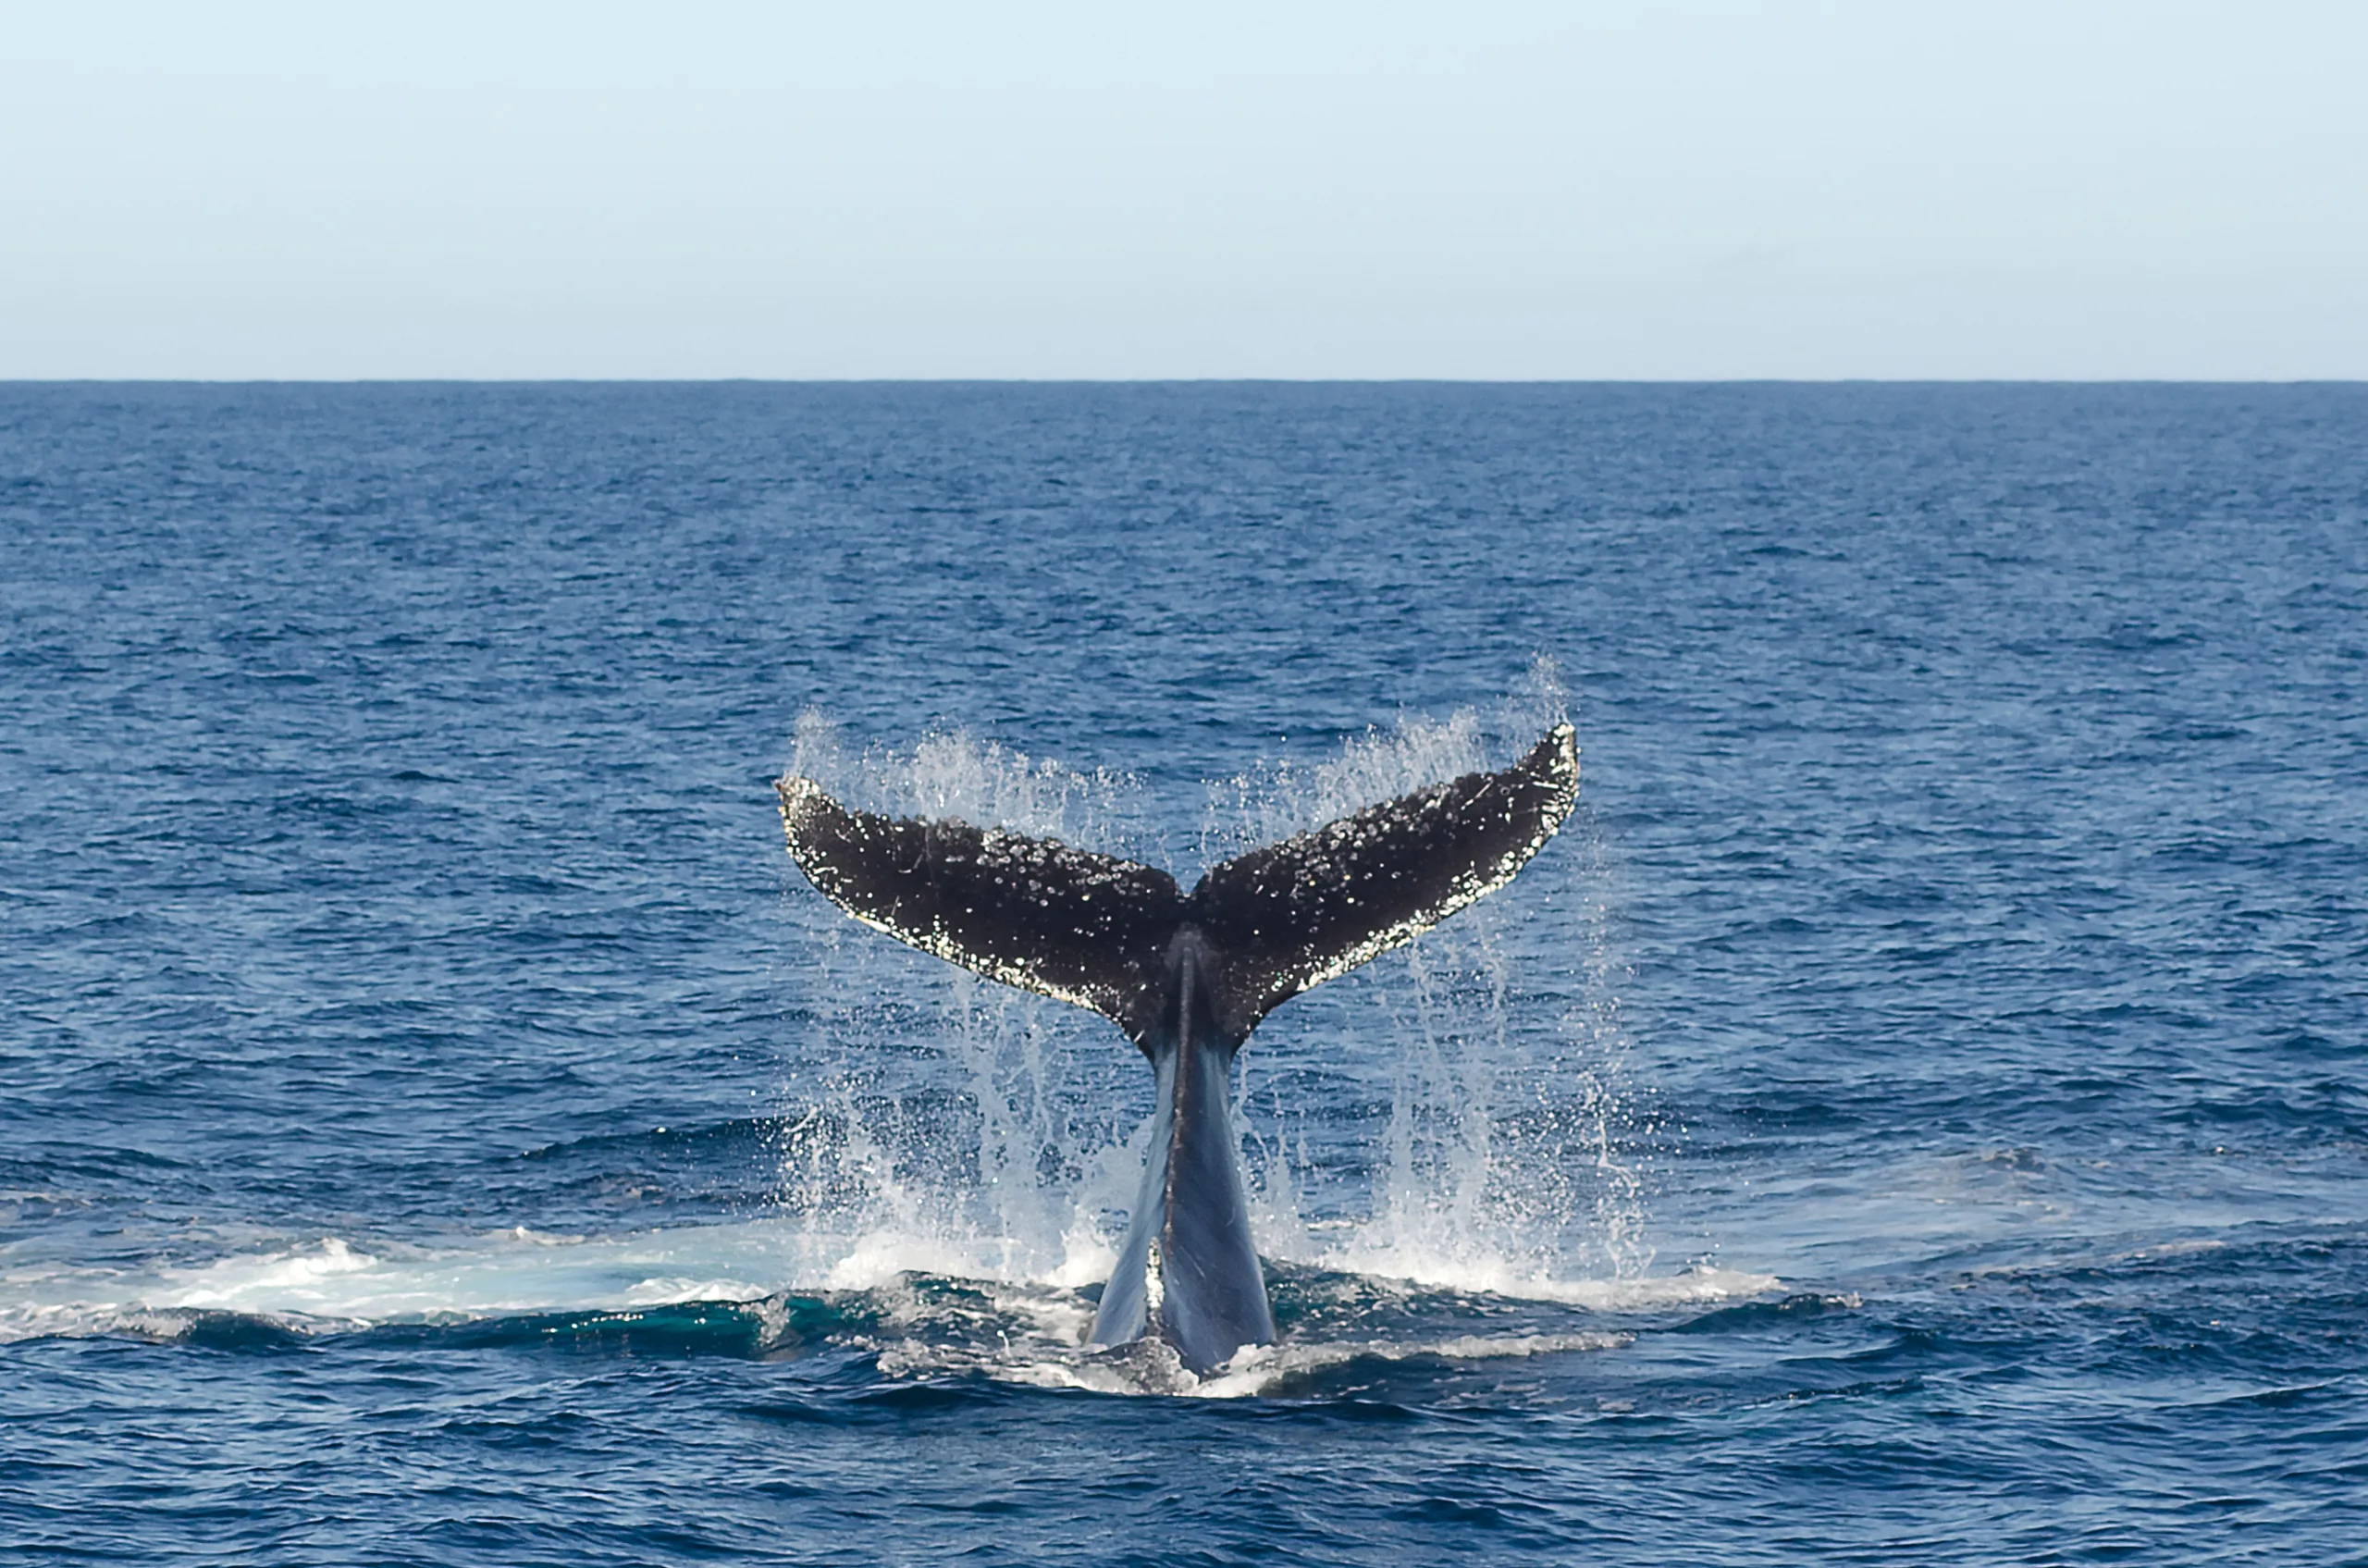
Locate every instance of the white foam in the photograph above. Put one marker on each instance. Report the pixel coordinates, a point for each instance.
(331, 1281)
(1148, 1368)
(1617, 1293)
(1261, 1367)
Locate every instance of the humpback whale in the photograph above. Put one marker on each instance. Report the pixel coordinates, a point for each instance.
(1186, 976)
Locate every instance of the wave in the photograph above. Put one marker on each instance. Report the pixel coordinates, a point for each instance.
(766, 1289)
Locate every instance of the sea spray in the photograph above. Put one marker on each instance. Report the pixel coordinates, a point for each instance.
(1505, 1159)
(967, 1128)
(1469, 1134)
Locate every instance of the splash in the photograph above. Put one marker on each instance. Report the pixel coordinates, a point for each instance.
(1505, 1163)
(955, 774)
(949, 1126)
(946, 1125)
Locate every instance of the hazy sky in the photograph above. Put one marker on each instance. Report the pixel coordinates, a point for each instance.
(1465, 190)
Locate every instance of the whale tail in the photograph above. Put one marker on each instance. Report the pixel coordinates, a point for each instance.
(1097, 932)
(1188, 978)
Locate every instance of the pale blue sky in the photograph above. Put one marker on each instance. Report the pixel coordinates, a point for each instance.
(912, 190)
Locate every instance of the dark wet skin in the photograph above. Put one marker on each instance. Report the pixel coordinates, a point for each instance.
(1192, 1224)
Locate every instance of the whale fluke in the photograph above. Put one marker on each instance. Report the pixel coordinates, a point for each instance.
(1186, 978)
(1031, 912)
(1091, 930)
(1310, 909)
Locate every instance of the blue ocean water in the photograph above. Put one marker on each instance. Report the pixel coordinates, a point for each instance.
(1918, 1111)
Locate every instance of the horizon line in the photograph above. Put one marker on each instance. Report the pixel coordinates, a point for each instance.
(27, 381)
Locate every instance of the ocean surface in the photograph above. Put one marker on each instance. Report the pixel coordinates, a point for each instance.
(1917, 1112)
